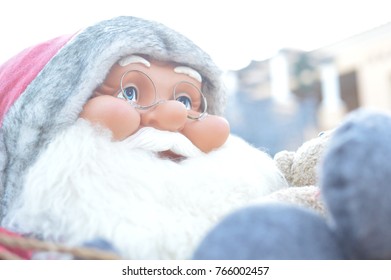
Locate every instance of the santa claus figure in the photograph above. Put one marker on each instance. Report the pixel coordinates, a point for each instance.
(116, 133)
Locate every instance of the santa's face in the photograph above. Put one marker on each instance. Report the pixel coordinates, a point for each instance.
(104, 176)
(130, 192)
(140, 93)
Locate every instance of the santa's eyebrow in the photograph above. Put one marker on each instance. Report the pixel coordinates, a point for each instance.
(188, 71)
(134, 59)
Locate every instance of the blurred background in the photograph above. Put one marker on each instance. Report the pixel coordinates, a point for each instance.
(281, 101)
(292, 68)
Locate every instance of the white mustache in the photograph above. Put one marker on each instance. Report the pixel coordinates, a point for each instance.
(151, 139)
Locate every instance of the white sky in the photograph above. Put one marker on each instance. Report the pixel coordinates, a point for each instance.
(232, 31)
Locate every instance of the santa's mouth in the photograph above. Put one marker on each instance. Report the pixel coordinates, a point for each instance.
(171, 156)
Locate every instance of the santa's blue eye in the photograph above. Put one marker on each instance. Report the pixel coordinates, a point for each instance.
(185, 100)
(130, 93)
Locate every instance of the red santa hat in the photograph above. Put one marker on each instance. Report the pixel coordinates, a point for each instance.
(18, 72)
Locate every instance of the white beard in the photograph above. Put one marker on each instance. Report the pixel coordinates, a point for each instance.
(84, 186)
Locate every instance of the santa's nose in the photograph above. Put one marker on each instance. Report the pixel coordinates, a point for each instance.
(170, 115)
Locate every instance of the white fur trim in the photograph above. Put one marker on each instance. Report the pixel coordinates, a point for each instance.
(84, 186)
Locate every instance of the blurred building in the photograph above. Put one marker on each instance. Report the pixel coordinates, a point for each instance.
(280, 102)
(363, 67)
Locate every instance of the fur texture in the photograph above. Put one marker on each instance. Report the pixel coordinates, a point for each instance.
(84, 186)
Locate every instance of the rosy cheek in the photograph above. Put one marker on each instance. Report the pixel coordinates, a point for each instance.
(113, 113)
(207, 134)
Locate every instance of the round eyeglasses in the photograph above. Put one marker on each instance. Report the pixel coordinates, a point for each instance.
(140, 91)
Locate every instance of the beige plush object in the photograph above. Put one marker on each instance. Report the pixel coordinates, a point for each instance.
(300, 169)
